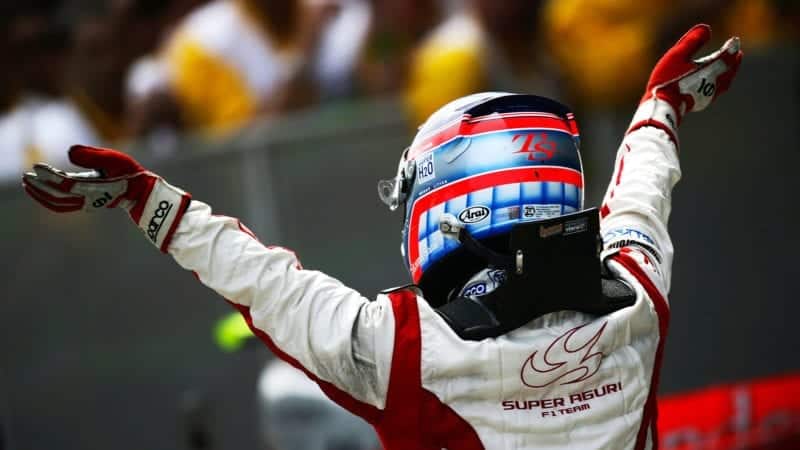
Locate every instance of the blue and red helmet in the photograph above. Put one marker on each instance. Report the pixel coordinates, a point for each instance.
(491, 160)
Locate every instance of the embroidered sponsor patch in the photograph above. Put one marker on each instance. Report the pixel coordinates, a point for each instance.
(571, 358)
(627, 233)
(626, 236)
(568, 404)
(474, 289)
(157, 220)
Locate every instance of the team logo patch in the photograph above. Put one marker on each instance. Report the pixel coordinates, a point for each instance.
(570, 358)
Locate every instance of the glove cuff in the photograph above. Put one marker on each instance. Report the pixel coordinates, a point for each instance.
(162, 213)
(657, 113)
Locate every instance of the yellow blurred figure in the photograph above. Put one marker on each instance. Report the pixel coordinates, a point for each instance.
(605, 47)
(223, 61)
(446, 66)
(489, 45)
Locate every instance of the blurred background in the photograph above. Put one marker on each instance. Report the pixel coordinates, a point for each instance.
(286, 113)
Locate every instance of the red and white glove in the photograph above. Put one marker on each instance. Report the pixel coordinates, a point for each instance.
(681, 84)
(116, 180)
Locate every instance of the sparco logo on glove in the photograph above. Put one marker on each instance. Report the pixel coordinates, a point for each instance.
(157, 220)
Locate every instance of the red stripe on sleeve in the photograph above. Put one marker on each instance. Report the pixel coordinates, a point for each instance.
(656, 124)
(650, 414)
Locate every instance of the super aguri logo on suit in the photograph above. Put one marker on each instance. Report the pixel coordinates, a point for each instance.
(570, 358)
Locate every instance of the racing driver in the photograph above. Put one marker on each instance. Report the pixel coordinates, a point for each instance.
(521, 331)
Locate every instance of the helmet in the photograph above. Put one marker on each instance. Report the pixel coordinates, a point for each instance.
(487, 161)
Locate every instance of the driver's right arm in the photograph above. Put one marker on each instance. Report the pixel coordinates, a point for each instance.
(306, 317)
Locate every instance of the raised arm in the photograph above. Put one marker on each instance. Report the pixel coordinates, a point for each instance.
(308, 318)
(637, 204)
(304, 316)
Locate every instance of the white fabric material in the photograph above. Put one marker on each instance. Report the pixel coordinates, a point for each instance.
(330, 329)
(160, 211)
(95, 195)
(642, 201)
(484, 382)
(565, 380)
(701, 84)
(490, 383)
(658, 110)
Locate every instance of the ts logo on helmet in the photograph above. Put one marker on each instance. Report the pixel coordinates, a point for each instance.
(474, 214)
(537, 146)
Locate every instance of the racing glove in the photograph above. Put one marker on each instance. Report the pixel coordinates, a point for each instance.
(681, 84)
(115, 180)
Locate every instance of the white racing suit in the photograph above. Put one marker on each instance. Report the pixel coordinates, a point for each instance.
(566, 380)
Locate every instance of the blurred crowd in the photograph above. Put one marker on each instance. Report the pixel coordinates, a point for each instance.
(107, 72)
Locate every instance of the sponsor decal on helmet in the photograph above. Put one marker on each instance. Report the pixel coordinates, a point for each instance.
(426, 170)
(537, 146)
(474, 214)
(536, 212)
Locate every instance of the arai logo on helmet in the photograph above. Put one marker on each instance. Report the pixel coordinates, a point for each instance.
(474, 214)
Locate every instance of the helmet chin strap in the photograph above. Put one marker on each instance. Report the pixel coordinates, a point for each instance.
(452, 228)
